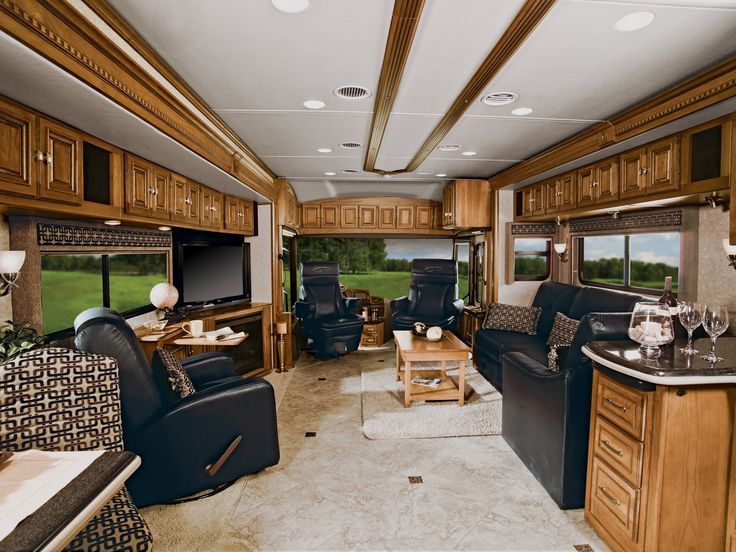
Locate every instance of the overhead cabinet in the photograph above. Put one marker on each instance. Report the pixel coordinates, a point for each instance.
(650, 169)
(466, 204)
(17, 150)
(211, 208)
(239, 214)
(185, 199)
(147, 189)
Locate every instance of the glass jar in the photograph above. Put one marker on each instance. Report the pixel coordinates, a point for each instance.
(651, 326)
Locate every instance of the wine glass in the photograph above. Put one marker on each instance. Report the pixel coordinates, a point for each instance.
(715, 322)
(691, 315)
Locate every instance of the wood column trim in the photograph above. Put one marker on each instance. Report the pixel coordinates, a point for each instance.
(404, 22)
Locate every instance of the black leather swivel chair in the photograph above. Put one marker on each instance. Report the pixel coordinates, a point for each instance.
(176, 441)
(432, 296)
(325, 315)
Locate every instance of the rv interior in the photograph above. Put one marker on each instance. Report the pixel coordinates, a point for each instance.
(368, 274)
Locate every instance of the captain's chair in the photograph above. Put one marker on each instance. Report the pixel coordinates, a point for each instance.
(432, 296)
(326, 317)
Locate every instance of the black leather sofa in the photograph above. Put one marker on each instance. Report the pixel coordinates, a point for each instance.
(546, 416)
(432, 297)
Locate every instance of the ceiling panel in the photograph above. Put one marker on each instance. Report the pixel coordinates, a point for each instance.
(247, 54)
(575, 65)
(309, 190)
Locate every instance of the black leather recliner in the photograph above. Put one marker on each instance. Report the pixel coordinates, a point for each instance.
(176, 441)
(325, 315)
(432, 296)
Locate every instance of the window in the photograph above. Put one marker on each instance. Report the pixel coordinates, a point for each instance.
(637, 261)
(531, 258)
(75, 282)
(478, 280)
(288, 261)
(462, 256)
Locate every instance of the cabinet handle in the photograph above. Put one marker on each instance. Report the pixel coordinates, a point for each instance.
(645, 171)
(188, 201)
(531, 200)
(44, 157)
(615, 404)
(213, 208)
(610, 447)
(640, 172)
(152, 191)
(558, 193)
(594, 184)
(605, 492)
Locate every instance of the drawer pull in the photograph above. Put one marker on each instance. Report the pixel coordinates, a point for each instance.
(602, 489)
(613, 403)
(610, 447)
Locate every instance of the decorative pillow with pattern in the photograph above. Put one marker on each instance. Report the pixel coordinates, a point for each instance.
(173, 381)
(563, 331)
(512, 318)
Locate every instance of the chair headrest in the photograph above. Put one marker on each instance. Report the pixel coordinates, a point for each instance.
(317, 273)
(435, 270)
(97, 314)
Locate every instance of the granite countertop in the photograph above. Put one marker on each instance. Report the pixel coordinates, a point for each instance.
(673, 367)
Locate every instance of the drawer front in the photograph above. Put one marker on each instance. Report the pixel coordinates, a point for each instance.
(370, 329)
(623, 406)
(613, 502)
(371, 340)
(619, 450)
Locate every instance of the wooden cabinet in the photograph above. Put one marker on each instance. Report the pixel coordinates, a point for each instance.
(292, 209)
(470, 323)
(373, 215)
(288, 206)
(654, 459)
(210, 208)
(650, 169)
(532, 199)
(372, 334)
(466, 204)
(239, 215)
(185, 200)
(147, 189)
(17, 140)
(597, 184)
(560, 193)
(708, 155)
(60, 169)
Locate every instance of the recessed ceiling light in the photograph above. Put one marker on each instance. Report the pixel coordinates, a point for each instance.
(324, 150)
(449, 147)
(290, 6)
(521, 111)
(164, 228)
(469, 153)
(330, 173)
(386, 176)
(425, 172)
(441, 174)
(314, 104)
(499, 98)
(113, 222)
(634, 21)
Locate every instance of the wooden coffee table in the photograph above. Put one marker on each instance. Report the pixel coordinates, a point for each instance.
(416, 349)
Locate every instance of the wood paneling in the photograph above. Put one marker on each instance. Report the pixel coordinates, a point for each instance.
(310, 216)
(368, 216)
(160, 183)
(329, 217)
(425, 216)
(387, 216)
(138, 187)
(17, 140)
(60, 172)
(467, 204)
(405, 216)
(349, 216)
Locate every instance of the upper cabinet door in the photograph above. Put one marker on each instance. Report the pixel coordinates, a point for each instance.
(60, 174)
(662, 168)
(387, 216)
(606, 182)
(161, 190)
(405, 216)
(349, 216)
(17, 136)
(634, 173)
(232, 213)
(585, 186)
(138, 187)
(179, 211)
(247, 216)
(329, 216)
(310, 216)
(424, 217)
(193, 212)
(566, 191)
(216, 208)
(368, 216)
(553, 193)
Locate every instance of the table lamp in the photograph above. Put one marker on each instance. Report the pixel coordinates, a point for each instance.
(164, 296)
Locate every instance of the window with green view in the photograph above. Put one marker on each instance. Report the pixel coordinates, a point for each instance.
(72, 283)
(531, 258)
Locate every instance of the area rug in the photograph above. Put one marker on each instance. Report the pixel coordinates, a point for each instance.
(384, 415)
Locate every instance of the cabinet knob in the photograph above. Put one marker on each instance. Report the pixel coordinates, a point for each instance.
(640, 172)
(645, 171)
(593, 184)
(44, 157)
(558, 193)
(188, 201)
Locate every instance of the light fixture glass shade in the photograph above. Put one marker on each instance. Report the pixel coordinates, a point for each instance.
(560, 248)
(164, 296)
(290, 6)
(728, 248)
(11, 261)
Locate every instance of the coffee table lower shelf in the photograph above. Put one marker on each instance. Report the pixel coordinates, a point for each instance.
(445, 391)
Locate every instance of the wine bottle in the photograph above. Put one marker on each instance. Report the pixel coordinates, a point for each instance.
(669, 299)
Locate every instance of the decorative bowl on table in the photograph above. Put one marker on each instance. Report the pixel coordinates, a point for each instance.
(419, 329)
(156, 326)
(650, 327)
(434, 333)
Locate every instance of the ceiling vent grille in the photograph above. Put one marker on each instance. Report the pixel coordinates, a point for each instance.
(500, 98)
(449, 147)
(352, 92)
(350, 171)
(351, 145)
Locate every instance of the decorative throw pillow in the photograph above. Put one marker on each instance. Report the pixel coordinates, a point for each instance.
(173, 381)
(552, 359)
(512, 318)
(563, 331)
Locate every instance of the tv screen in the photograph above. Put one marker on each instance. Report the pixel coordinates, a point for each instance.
(214, 273)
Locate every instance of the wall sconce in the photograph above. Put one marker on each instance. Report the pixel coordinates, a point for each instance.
(10, 264)
(561, 250)
(730, 252)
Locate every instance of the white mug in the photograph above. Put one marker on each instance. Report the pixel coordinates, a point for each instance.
(193, 327)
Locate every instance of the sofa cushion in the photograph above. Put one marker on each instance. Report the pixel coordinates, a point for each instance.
(553, 297)
(591, 299)
(563, 331)
(495, 343)
(172, 379)
(512, 318)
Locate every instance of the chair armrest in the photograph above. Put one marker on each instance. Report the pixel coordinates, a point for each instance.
(458, 305)
(353, 303)
(400, 303)
(302, 309)
(207, 367)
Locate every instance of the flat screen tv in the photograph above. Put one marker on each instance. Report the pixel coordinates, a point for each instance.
(211, 271)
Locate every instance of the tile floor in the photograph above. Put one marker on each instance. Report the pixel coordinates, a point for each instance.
(337, 490)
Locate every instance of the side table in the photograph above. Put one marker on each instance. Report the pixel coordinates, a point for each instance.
(372, 335)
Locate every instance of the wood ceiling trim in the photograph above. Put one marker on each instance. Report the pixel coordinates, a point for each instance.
(122, 28)
(56, 31)
(404, 22)
(713, 86)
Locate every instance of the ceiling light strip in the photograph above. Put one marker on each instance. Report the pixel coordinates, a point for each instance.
(404, 22)
(530, 15)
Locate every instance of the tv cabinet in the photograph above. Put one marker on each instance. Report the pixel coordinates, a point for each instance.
(253, 357)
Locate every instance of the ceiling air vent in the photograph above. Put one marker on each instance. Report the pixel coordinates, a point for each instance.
(350, 171)
(352, 92)
(449, 147)
(351, 145)
(499, 98)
